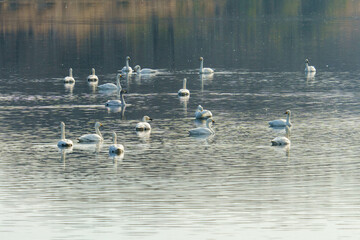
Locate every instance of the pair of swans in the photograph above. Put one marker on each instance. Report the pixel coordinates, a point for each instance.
(113, 149)
(91, 78)
(137, 68)
(85, 138)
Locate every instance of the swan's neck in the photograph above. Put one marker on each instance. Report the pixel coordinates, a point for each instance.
(62, 132)
(201, 65)
(288, 118)
(93, 71)
(122, 98)
(144, 119)
(118, 83)
(184, 83)
(97, 130)
(70, 72)
(127, 63)
(306, 65)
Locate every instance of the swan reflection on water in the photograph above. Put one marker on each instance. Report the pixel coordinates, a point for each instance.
(184, 101)
(93, 86)
(69, 88)
(204, 78)
(90, 147)
(116, 158)
(117, 109)
(63, 151)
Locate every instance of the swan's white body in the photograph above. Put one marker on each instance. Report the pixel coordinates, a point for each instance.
(203, 70)
(281, 141)
(184, 91)
(111, 86)
(143, 125)
(117, 103)
(70, 78)
(203, 130)
(116, 148)
(138, 69)
(282, 122)
(93, 137)
(63, 141)
(202, 114)
(92, 77)
(309, 68)
(127, 68)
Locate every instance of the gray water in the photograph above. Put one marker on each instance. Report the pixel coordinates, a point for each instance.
(168, 185)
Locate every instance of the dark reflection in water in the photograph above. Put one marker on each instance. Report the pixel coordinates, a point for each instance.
(168, 184)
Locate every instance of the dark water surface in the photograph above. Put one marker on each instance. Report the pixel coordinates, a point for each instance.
(168, 185)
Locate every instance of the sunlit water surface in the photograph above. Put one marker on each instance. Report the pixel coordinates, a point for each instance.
(168, 185)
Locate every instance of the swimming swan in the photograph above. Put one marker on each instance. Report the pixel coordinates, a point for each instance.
(309, 68)
(203, 130)
(127, 68)
(202, 114)
(117, 103)
(69, 79)
(63, 141)
(116, 148)
(143, 125)
(203, 70)
(92, 137)
(92, 77)
(281, 141)
(184, 91)
(281, 122)
(138, 69)
(111, 86)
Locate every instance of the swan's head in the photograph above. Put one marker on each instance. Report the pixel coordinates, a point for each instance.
(146, 118)
(118, 76)
(128, 58)
(137, 68)
(62, 124)
(98, 124)
(123, 91)
(306, 60)
(201, 59)
(288, 112)
(210, 120)
(200, 108)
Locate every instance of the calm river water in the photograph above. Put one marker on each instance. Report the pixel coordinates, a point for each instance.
(168, 185)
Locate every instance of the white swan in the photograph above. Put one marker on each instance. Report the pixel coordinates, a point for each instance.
(117, 103)
(203, 70)
(282, 122)
(127, 68)
(143, 125)
(281, 141)
(203, 130)
(92, 137)
(63, 141)
(184, 91)
(92, 77)
(309, 68)
(202, 114)
(138, 69)
(111, 86)
(69, 79)
(116, 148)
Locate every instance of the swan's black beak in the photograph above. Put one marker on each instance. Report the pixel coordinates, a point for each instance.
(286, 112)
(150, 119)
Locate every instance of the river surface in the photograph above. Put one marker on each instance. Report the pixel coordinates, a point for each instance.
(167, 184)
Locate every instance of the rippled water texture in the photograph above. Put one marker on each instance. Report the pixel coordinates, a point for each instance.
(168, 185)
